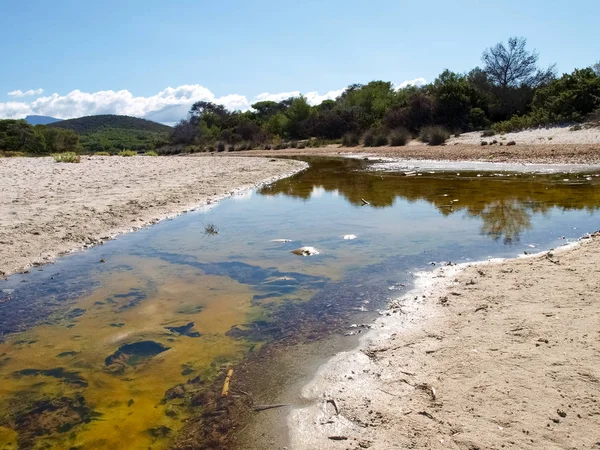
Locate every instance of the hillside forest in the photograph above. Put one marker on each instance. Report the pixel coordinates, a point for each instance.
(509, 92)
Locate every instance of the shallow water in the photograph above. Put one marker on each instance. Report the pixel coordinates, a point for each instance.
(91, 349)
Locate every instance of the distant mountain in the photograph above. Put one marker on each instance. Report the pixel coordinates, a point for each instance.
(41, 120)
(91, 124)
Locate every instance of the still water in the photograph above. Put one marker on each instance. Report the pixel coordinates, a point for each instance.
(116, 354)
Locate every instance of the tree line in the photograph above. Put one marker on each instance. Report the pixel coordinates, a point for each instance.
(19, 136)
(509, 92)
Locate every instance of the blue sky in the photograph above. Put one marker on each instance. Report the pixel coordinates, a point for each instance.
(121, 56)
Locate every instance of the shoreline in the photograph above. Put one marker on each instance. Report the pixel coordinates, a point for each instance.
(422, 377)
(542, 153)
(93, 203)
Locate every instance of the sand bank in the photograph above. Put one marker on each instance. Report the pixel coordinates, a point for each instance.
(495, 355)
(47, 208)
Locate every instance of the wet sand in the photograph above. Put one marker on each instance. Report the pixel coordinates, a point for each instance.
(494, 355)
(47, 208)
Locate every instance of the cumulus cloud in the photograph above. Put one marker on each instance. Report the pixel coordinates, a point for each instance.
(167, 106)
(418, 82)
(20, 93)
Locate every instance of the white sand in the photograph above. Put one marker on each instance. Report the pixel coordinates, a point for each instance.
(551, 135)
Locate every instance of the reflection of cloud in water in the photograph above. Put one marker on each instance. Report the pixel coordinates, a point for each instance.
(317, 192)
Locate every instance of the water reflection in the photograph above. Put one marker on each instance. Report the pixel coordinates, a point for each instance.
(504, 203)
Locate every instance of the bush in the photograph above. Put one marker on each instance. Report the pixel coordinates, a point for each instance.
(301, 145)
(484, 143)
(380, 139)
(350, 140)
(399, 137)
(368, 139)
(488, 133)
(151, 153)
(12, 154)
(127, 153)
(511, 143)
(434, 135)
(220, 146)
(67, 157)
(294, 144)
(102, 154)
(231, 148)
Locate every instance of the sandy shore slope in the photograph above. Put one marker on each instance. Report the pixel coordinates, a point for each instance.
(48, 208)
(498, 355)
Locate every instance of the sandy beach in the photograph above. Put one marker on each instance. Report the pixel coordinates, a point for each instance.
(555, 145)
(488, 356)
(47, 208)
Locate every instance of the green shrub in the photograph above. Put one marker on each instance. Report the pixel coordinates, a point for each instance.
(488, 133)
(368, 138)
(434, 135)
(102, 154)
(66, 157)
(127, 153)
(399, 137)
(375, 138)
(152, 153)
(350, 140)
(220, 146)
(12, 154)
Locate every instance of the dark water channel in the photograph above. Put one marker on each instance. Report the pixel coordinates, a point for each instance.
(92, 353)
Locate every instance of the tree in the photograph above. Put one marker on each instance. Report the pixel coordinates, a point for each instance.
(514, 66)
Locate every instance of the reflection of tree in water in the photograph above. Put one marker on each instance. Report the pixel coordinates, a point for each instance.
(504, 204)
(505, 218)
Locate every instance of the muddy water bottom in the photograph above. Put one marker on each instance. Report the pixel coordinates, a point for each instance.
(122, 346)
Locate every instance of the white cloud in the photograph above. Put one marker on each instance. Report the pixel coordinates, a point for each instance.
(167, 106)
(20, 93)
(416, 82)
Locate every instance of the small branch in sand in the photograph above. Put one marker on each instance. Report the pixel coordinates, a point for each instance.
(225, 390)
(334, 403)
(364, 203)
(258, 408)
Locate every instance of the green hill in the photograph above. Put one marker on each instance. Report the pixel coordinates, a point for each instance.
(111, 133)
(90, 124)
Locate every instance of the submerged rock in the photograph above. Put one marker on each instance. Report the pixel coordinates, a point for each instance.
(132, 354)
(305, 251)
(185, 330)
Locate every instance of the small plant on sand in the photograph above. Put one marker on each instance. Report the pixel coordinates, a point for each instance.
(151, 153)
(66, 157)
(210, 229)
(350, 140)
(399, 137)
(11, 154)
(127, 153)
(102, 154)
(434, 135)
(488, 133)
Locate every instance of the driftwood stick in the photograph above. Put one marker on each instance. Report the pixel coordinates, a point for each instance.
(265, 407)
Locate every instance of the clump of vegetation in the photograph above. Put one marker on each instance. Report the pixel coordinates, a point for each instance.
(350, 140)
(221, 146)
(151, 153)
(210, 229)
(11, 154)
(488, 133)
(66, 157)
(434, 135)
(102, 154)
(127, 153)
(511, 143)
(399, 137)
(375, 138)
